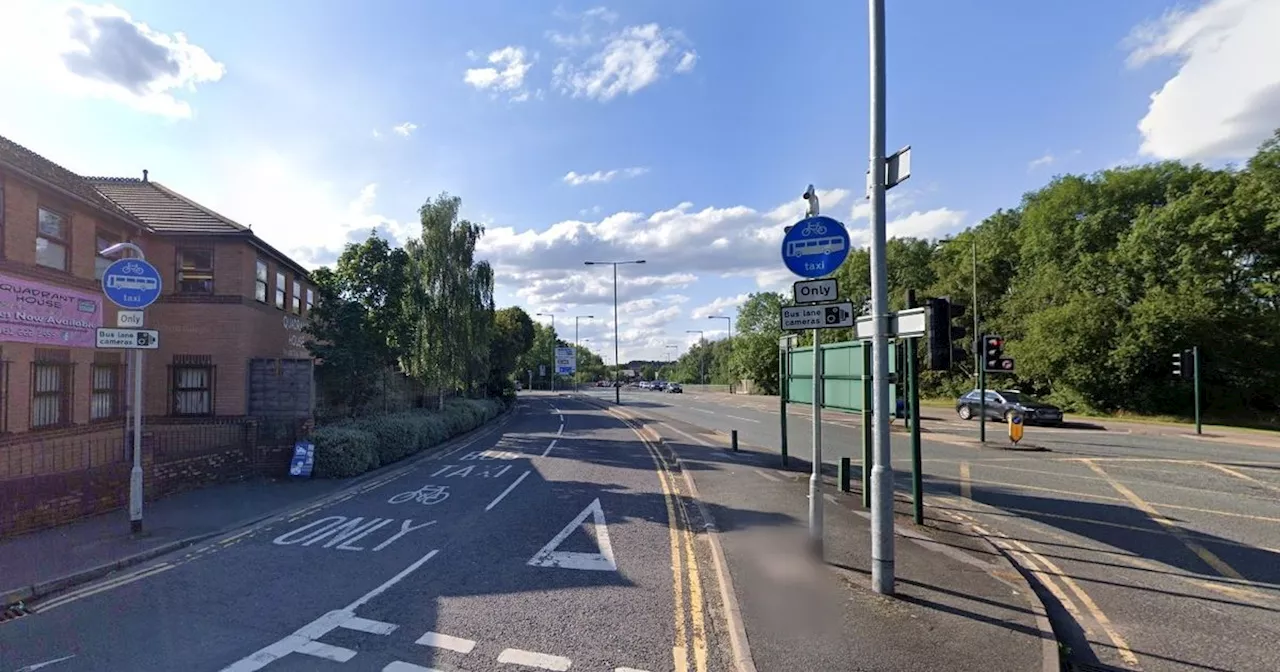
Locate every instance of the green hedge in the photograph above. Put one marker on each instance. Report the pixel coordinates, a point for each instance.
(352, 447)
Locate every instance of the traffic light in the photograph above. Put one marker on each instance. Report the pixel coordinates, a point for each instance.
(992, 352)
(1183, 366)
(942, 334)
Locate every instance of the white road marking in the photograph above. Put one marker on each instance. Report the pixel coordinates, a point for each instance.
(739, 417)
(35, 666)
(505, 492)
(401, 666)
(436, 640)
(766, 475)
(701, 410)
(627, 669)
(369, 625)
(550, 447)
(534, 659)
(602, 561)
(102, 587)
(405, 528)
(561, 430)
(304, 640)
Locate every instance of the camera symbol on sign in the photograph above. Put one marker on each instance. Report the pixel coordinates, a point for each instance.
(144, 339)
(836, 315)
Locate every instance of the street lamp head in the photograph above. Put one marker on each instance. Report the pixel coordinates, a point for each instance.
(589, 263)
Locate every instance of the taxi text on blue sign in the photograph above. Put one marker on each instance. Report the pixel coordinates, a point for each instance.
(815, 246)
(131, 283)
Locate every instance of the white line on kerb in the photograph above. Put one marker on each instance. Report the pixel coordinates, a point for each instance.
(534, 659)
(549, 448)
(436, 640)
(505, 492)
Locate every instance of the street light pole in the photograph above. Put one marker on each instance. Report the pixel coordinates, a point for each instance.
(135, 474)
(702, 358)
(552, 372)
(882, 553)
(729, 343)
(617, 391)
(575, 347)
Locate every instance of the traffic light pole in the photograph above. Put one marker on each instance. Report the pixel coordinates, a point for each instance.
(1195, 363)
(982, 403)
(978, 354)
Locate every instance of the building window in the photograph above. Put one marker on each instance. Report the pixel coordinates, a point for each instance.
(297, 297)
(192, 385)
(260, 281)
(51, 388)
(107, 375)
(280, 291)
(51, 240)
(195, 271)
(102, 241)
(311, 300)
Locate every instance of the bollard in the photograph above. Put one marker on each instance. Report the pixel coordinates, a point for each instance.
(733, 439)
(845, 476)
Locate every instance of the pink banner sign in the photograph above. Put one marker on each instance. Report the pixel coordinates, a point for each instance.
(33, 312)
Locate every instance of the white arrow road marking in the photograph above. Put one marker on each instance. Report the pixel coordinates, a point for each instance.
(602, 561)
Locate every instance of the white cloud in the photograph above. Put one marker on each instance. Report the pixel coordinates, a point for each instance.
(687, 61)
(579, 179)
(1041, 162)
(103, 52)
(630, 60)
(1224, 99)
(306, 218)
(506, 73)
(719, 306)
(404, 129)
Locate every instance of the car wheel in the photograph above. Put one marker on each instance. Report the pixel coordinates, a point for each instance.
(964, 412)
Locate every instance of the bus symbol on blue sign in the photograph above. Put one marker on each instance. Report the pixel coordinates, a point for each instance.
(131, 283)
(815, 247)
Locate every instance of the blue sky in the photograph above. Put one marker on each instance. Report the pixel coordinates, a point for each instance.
(678, 132)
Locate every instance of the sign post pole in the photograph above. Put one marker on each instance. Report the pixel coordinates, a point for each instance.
(784, 388)
(133, 284)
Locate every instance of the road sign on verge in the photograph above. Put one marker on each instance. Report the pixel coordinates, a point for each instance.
(129, 339)
(815, 246)
(565, 363)
(816, 291)
(820, 316)
(129, 319)
(908, 323)
(131, 283)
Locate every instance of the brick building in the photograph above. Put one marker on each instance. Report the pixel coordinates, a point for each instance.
(231, 360)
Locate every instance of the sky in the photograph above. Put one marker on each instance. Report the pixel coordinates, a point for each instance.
(681, 133)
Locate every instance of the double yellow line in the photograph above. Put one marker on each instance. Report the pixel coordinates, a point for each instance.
(690, 611)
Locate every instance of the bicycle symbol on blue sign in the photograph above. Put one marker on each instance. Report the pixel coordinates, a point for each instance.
(131, 283)
(815, 247)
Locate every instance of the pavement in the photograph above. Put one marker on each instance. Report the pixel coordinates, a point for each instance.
(1152, 548)
(571, 537)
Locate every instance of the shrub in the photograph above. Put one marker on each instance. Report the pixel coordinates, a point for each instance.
(350, 448)
(342, 451)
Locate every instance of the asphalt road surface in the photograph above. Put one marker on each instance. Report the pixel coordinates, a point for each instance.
(555, 541)
(1152, 551)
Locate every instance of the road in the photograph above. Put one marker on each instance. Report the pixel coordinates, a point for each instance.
(557, 540)
(1152, 551)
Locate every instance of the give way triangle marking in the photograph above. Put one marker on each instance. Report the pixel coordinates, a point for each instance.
(602, 561)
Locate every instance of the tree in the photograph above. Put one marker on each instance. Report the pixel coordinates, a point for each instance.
(513, 332)
(755, 348)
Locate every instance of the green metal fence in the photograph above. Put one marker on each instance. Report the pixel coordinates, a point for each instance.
(842, 372)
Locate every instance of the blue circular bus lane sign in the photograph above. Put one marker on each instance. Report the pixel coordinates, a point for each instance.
(815, 246)
(131, 283)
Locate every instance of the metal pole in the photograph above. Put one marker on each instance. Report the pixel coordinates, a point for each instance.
(135, 475)
(815, 476)
(868, 460)
(882, 472)
(617, 391)
(552, 371)
(979, 357)
(784, 387)
(575, 354)
(1195, 357)
(913, 411)
(730, 344)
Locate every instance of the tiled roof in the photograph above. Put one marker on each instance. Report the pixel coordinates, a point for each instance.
(163, 210)
(24, 160)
